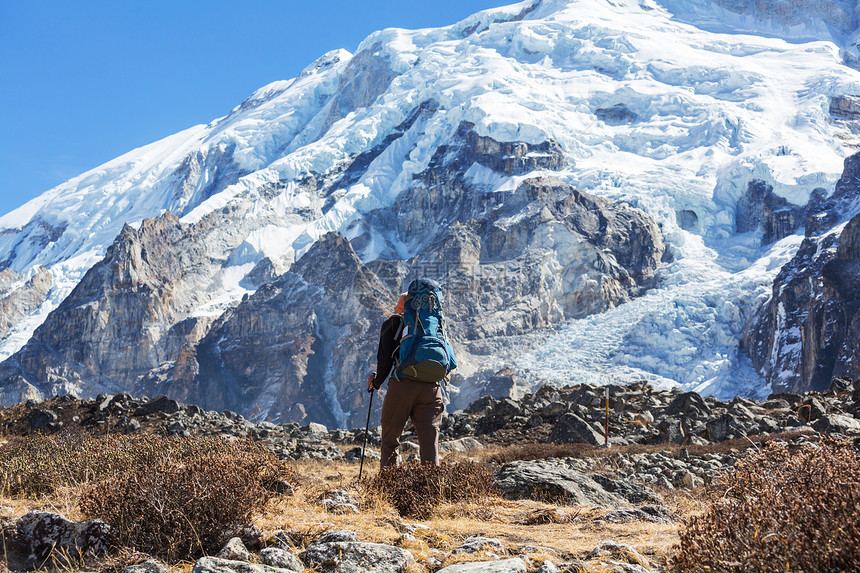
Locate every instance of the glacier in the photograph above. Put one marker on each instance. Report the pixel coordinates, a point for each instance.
(703, 96)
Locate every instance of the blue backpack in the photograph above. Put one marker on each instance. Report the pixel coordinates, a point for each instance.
(425, 353)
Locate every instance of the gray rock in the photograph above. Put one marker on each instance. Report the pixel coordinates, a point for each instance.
(43, 536)
(159, 405)
(234, 550)
(689, 480)
(652, 513)
(552, 480)
(547, 567)
(722, 428)
(513, 565)
(216, 565)
(619, 552)
(570, 428)
(337, 536)
(356, 557)
(40, 419)
(339, 501)
(632, 491)
(281, 559)
(477, 544)
(837, 424)
(148, 566)
(315, 429)
(810, 410)
(460, 445)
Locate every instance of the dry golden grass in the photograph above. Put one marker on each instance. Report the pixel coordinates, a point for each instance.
(560, 533)
(451, 523)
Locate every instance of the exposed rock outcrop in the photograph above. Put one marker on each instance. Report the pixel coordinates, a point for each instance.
(760, 209)
(19, 299)
(809, 331)
(297, 348)
(129, 314)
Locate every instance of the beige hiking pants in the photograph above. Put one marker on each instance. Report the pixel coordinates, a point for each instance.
(417, 400)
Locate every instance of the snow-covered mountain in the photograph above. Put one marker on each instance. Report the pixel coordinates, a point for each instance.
(423, 149)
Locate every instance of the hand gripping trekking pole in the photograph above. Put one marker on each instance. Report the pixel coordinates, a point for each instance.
(366, 430)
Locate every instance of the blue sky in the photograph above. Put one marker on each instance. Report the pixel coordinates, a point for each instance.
(84, 82)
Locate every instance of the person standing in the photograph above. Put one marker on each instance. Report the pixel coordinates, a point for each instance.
(415, 356)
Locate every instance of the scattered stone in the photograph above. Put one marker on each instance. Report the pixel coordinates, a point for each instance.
(356, 557)
(837, 424)
(478, 544)
(513, 565)
(235, 550)
(570, 428)
(315, 429)
(250, 535)
(42, 537)
(40, 419)
(339, 501)
(337, 536)
(617, 551)
(216, 565)
(148, 566)
(652, 513)
(281, 559)
(159, 405)
(461, 445)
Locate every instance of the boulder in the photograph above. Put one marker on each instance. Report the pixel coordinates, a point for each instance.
(339, 501)
(570, 428)
(478, 544)
(234, 550)
(552, 480)
(837, 424)
(281, 559)
(652, 513)
(356, 557)
(148, 566)
(159, 405)
(461, 445)
(216, 565)
(514, 565)
(40, 419)
(40, 537)
(618, 552)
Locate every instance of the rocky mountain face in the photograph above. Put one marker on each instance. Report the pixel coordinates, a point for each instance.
(20, 298)
(298, 348)
(809, 330)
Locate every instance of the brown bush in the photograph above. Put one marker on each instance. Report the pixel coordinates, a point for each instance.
(181, 506)
(782, 508)
(38, 464)
(415, 490)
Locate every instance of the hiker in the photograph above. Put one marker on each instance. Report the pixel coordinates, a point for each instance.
(414, 350)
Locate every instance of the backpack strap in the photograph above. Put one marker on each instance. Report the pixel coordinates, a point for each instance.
(395, 354)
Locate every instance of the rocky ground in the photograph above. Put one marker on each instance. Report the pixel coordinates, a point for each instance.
(551, 471)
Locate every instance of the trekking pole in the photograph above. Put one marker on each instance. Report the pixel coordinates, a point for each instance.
(366, 430)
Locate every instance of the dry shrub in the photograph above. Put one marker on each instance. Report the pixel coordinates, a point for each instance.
(546, 515)
(416, 489)
(787, 508)
(38, 464)
(182, 505)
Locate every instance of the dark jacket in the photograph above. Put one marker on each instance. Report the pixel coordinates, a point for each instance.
(388, 345)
